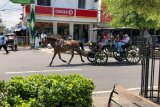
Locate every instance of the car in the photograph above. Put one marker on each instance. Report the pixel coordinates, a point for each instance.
(11, 41)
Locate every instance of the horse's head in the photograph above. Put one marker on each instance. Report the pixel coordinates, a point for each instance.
(54, 41)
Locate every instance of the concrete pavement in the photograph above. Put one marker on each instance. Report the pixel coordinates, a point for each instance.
(100, 100)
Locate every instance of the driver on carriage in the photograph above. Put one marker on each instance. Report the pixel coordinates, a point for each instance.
(122, 41)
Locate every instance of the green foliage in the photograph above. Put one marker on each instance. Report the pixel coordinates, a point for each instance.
(3, 94)
(49, 91)
(134, 13)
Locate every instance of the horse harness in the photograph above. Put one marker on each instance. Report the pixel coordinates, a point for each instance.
(61, 43)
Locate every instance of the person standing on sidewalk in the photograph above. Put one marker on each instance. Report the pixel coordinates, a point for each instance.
(3, 43)
(37, 40)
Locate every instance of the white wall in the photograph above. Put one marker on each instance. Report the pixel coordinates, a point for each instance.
(90, 4)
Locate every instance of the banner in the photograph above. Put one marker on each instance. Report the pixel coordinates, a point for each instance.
(32, 25)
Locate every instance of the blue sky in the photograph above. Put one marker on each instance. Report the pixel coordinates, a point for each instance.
(11, 15)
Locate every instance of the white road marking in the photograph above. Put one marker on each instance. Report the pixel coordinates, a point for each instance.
(103, 92)
(129, 89)
(58, 70)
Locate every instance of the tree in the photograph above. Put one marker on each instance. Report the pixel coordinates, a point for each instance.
(134, 13)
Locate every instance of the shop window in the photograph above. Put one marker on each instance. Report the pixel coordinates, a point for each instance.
(44, 2)
(63, 30)
(44, 27)
(81, 4)
(81, 33)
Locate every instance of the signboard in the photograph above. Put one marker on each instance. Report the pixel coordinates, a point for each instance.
(22, 1)
(39, 10)
(63, 12)
(86, 13)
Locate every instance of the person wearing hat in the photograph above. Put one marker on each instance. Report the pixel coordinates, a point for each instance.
(3, 43)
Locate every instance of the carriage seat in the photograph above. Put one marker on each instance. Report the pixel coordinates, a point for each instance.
(127, 44)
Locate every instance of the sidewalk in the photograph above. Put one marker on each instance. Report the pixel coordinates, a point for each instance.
(100, 100)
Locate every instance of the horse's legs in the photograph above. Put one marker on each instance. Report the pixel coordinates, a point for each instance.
(55, 53)
(60, 57)
(81, 57)
(80, 54)
(72, 55)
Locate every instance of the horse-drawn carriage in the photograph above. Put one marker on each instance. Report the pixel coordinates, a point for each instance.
(98, 54)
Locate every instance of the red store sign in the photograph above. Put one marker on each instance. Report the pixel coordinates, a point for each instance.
(63, 12)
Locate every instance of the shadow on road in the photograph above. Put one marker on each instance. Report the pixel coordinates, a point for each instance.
(93, 64)
(117, 64)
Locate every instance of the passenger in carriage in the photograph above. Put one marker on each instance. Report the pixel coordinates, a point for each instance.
(122, 41)
(104, 40)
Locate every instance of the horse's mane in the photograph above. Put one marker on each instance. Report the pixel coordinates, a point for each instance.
(56, 36)
(54, 41)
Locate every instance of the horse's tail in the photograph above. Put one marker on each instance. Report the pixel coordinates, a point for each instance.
(81, 45)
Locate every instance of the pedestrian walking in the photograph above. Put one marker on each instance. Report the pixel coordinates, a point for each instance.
(3, 43)
(37, 40)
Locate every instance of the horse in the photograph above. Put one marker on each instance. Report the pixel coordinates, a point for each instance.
(61, 45)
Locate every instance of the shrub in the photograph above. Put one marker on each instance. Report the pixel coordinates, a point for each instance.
(49, 91)
(3, 94)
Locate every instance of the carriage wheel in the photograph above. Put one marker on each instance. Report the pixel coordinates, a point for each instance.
(133, 54)
(91, 56)
(117, 56)
(91, 59)
(101, 57)
(105, 49)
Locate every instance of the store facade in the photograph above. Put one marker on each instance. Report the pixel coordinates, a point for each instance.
(65, 17)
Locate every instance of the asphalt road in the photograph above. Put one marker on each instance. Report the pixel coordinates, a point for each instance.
(28, 62)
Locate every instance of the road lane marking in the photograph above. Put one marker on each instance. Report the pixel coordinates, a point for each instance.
(103, 92)
(58, 70)
(129, 89)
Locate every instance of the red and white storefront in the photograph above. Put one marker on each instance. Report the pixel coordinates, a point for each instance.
(70, 21)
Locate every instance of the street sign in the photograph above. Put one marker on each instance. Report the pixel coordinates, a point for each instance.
(21, 1)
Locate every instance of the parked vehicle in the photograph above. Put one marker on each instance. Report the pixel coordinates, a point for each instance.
(11, 41)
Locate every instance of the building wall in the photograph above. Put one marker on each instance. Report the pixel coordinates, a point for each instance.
(88, 16)
(90, 4)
